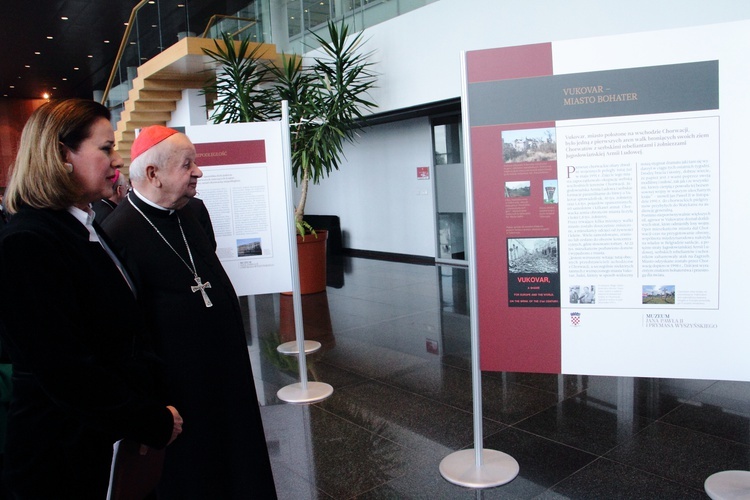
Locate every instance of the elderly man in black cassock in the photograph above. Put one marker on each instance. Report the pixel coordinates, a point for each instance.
(194, 310)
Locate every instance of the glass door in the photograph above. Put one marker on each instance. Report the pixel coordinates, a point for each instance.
(450, 193)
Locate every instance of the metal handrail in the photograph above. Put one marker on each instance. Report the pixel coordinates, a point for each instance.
(129, 29)
(121, 50)
(251, 22)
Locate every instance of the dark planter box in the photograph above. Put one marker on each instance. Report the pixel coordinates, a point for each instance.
(334, 250)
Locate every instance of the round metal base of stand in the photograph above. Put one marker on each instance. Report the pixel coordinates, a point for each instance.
(294, 393)
(290, 348)
(497, 468)
(728, 485)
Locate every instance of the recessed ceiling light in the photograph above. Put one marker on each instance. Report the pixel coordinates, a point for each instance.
(54, 88)
(125, 23)
(65, 79)
(26, 66)
(64, 18)
(153, 26)
(106, 41)
(180, 5)
(132, 43)
(12, 86)
(45, 96)
(37, 53)
(75, 69)
(49, 38)
(90, 56)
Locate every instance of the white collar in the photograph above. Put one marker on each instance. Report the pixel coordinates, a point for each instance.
(85, 217)
(149, 202)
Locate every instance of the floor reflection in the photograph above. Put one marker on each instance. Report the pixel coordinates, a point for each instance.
(396, 349)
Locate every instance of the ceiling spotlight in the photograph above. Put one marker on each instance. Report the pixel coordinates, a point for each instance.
(45, 96)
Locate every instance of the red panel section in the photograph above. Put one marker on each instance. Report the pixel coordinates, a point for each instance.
(504, 63)
(522, 339)
(212, 154)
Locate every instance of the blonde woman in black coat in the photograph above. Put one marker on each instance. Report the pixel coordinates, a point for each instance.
(82, 375)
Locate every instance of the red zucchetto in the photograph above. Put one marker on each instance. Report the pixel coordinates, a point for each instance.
(148, 138)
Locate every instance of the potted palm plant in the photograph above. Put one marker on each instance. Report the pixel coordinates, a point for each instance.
(327, 99)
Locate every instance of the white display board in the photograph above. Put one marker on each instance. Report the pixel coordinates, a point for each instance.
(610, 185)
(244, 187)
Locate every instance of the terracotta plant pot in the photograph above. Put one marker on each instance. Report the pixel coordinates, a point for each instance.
(312, 262)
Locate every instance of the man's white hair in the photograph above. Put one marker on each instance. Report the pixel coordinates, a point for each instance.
(157, 156)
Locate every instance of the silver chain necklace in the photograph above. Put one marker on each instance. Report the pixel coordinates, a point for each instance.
(200, 286)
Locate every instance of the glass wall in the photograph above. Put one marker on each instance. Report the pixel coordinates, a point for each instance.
(159, 24)
(304, 16)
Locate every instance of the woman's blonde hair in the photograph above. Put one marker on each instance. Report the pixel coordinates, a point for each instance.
(39, 176)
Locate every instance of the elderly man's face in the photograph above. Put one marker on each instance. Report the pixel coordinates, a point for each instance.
(179, 177)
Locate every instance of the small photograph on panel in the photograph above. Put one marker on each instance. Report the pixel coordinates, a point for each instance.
(529, 145)
(249, 247)
(532, 255)
(575, 294)
(517, 189)
(658, 294)
(588, 295)
(549, 191)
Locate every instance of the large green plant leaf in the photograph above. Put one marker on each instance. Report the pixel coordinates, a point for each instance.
(238, 83)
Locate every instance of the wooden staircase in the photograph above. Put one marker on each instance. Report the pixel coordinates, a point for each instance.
(159, 84)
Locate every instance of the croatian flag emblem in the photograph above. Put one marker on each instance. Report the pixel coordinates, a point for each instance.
(575, 318)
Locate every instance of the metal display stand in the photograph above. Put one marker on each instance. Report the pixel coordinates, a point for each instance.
(728, 485)
(292, 349)
(304, 391)
(478, 467)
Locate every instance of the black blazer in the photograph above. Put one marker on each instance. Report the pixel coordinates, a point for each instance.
(83, 376)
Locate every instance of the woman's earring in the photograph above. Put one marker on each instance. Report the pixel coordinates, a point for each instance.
(68, 167)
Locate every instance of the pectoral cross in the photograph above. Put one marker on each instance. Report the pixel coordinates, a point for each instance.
(202, 287)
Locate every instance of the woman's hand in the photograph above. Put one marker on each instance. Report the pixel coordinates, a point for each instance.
(177, 425)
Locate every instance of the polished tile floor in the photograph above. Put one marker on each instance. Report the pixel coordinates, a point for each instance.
(396, 350)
